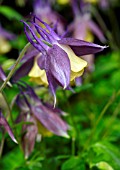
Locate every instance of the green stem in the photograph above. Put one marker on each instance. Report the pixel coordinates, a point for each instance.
(8, 107)
(2, 144)
(115, 113)
(73, 146)
(110, 101)
(14, 67)
(73, 124)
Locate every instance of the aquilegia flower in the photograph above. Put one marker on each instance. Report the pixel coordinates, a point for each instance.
(84, 28)
(57, 62)
(42, 118)
(4, 37)
(43, 10)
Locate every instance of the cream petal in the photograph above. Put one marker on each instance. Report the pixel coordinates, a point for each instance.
(77, 64)
(76, 74)
(37, 75)
(35, 71)
(4, 46)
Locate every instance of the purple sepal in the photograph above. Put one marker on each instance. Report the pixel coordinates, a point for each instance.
(55, 110)
(52, 85)
(49, 117)
(81, 47)
(30, 53)
(4, 123)
(29, 134)
(50, 120)
(42, 62)
(2, 74)
(23, 70)
(22, 102)
(59, 65)
(96, 30)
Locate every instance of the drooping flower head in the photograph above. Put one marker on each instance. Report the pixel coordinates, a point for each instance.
(44, 120)
(57, 62)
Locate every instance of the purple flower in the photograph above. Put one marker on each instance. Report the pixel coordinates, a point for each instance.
(4, 123)
(4, 37)
(42, 9)
(57, 62)
(84, 28)
(42, 118)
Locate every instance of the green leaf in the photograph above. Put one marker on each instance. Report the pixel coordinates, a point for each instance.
(105, 152)
(83, 87)
(104, 166)
(74, 163)
(12, 160)
(10, 13)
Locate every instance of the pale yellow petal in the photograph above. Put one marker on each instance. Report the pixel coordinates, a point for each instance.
(75, 74)
(77, 64)
(43, 131)
(63, 2)
(35, 71)
(38, 81)
(89, 36)
(37, 75)
(4, 46)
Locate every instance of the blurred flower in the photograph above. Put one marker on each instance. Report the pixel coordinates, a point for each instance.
(4, 123)
(42, 9)
(84, 28)
(57, 62)
(4, 37)
(104, 4)
(42, 118)
(63, 2)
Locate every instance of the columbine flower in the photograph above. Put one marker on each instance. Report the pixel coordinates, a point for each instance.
(57, 62)
(43, 118)
(42, 9)
(4, 37)
(84, 28)
(4, 123)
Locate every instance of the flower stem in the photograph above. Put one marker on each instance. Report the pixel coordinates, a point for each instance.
(2, 144)
(14, 67)
(8, 108)
(110, 101)
(115, 113)
(74, 128)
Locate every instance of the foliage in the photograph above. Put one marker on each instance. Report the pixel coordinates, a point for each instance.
(92, 110)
